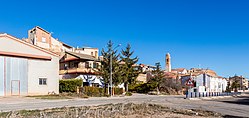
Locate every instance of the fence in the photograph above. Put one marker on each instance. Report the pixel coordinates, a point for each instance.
(210, 94)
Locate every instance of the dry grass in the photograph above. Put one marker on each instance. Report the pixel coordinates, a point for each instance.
(129, 110)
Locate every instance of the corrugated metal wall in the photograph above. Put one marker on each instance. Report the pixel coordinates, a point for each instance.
(16, 74)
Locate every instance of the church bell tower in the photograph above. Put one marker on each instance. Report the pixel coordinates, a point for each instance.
(168, 63)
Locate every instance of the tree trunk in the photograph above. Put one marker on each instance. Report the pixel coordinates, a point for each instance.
(127, 87)
(113, 91)
(158, 92)
(108, 90)
(104, 89)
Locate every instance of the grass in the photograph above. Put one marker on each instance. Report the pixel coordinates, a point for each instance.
(59, 96)
(51, 97)
(4, 114)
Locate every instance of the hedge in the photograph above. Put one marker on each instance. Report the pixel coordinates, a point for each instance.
(92, 91)
(141, 88)
(98, 92)
(118, 91)
(70, 85)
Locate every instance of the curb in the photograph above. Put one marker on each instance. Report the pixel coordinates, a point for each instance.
(209, 98)
(193, 98)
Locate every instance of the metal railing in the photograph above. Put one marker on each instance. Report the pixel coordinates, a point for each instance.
(210, 94)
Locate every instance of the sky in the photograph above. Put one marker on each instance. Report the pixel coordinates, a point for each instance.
(210, 34)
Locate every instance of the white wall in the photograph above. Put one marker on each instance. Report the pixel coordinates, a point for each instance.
(36, 68)
(43, 45)
(10, 45)
(43, 69)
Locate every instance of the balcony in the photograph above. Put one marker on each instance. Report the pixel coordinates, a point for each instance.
(78, 71)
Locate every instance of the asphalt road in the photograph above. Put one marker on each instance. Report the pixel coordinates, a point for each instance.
(231, 107)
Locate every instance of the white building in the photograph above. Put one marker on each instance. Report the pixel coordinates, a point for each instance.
(205, 83)
(26, 69)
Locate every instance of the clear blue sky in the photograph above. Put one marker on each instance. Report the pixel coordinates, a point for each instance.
(212, 33)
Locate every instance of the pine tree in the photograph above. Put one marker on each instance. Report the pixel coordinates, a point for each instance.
(128, 71)
(104, 69)
(158, 76)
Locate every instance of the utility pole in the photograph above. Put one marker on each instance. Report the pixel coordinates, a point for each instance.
(111, 53)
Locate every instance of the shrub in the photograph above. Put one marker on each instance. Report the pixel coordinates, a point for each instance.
(141, 88)
(128, 94)
(93, 91)
(69, 85)
(118, 91)
(98, 92)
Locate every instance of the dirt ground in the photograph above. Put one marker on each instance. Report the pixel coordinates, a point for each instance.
(129, 110)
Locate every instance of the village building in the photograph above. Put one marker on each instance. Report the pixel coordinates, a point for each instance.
(173, 73)
(81, 66)
(145, 72)
(79, 63)
(204, 82)
(240, 80)
(42, 38)
(26, 69)
(181, 71)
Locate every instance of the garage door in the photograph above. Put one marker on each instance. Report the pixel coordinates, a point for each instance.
(16, 76)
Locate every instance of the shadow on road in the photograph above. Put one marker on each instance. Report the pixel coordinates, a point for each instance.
(241, 100)
(230, 116)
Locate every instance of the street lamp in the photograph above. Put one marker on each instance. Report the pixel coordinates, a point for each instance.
(111, 52)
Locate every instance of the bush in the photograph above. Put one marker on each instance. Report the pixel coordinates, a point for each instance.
(70, 85)
(93, 91)
(118, 91)
(98, 92)
(141, 88)
(128, 94)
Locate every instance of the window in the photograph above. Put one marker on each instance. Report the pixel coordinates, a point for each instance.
(92, 53)
(95, 65)
(43, 39)
(42, 81)
(66, 66)
(87, 65)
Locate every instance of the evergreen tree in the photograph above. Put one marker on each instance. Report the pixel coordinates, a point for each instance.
(235, 85)
(104, 69)
(128, 71)
(158, 76)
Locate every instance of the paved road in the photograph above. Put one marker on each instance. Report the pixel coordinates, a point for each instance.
(238, 106)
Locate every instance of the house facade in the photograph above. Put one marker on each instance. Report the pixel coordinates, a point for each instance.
(240, 80)
(42, 38)
(74, 62)
(26, 69)
(145, 72)
(80, 66)
(204, 82)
